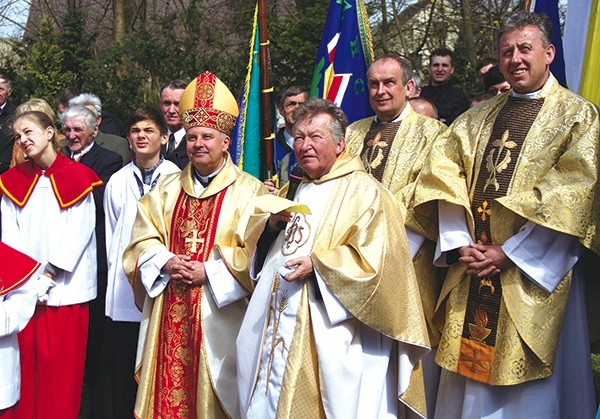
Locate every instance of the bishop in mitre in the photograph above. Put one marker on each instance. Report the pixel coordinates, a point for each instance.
(189, 261)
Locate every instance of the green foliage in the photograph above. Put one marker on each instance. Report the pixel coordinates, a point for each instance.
(76, 45)
(294, 44)
(185, 42)
(464, 74)
(40, 69)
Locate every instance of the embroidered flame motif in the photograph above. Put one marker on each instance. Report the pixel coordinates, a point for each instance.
(497, 163)
(479, 331)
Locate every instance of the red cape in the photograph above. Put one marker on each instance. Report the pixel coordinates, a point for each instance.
(15, 268)
(71, 181)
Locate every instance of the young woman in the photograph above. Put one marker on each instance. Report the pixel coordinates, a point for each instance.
(48, 213)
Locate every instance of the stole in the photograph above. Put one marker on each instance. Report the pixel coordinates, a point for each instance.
(193, 231)
(482, 316)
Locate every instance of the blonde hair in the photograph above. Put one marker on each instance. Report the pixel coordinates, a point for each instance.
(39, 105)
(42, 120)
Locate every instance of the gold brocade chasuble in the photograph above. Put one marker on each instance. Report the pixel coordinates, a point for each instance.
(396, 163)
(200, 379)
(554, 184)
(360, 250)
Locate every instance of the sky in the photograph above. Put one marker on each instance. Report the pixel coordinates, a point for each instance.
(12, 11)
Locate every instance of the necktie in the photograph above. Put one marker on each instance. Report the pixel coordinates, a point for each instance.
(171, 144)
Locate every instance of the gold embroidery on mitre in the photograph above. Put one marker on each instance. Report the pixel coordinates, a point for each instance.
(205, 91)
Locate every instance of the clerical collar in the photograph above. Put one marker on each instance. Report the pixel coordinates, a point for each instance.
(147, 173)
(205, 180)
(538, 94)
(78, 156)
(399, 118)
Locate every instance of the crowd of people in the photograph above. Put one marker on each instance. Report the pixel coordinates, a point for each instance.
(429, 261)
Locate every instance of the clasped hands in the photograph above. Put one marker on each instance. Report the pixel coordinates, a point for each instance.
(183, 268)
(484, 260)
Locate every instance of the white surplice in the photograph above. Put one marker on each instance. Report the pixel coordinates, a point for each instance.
(120, 207)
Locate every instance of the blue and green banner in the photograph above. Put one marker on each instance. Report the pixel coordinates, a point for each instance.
(246, 136)
(344, 55)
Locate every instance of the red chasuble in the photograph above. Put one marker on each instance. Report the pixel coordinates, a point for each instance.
(15, 268)
(71, 181)
(193, 230)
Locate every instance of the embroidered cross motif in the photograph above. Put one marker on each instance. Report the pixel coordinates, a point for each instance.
(474, 361)
(484, 210)
(194, 240)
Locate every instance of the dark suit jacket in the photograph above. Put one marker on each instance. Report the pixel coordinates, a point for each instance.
(105, 163)
(6, 136)
(114, 143)
(179, 155)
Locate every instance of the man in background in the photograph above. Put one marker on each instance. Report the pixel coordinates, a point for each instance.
(109, 141)
(175, 148)
(449, 100)
(285, 159)
(80, 127)
(115, 389)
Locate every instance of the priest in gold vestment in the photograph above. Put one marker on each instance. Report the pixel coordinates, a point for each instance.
(511, 194)
(188, 259)
(335, 327)
(393, 146)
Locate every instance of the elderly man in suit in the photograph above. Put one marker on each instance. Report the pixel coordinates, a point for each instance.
(175, 149)
(109, 141)
(80, 128)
